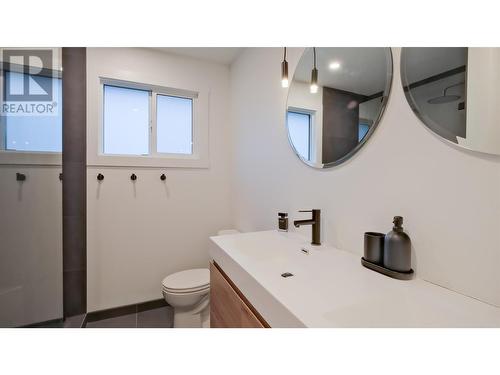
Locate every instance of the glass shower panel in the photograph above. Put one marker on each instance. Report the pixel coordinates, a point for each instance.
(30, 186)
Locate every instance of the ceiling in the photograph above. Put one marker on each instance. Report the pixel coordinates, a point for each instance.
(363, 70)
(221, 55)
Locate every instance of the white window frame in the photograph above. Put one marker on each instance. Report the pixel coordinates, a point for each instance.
(25, 157)
(312, 130)
(199, 157)
(367, 122)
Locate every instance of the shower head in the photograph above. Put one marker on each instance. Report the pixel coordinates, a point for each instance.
(446, 98)
(443, 99)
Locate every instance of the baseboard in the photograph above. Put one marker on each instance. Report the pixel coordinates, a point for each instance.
(43, 324)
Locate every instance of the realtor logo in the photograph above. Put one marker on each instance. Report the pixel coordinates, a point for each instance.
(30, 84)
(35, 65)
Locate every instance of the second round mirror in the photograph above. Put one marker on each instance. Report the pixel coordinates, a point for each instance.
(454, 91)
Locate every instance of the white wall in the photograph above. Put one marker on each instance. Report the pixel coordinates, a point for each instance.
(449, 197)
(139, 233)
(30, 245)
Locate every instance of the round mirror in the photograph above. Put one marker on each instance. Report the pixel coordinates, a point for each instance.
(454, 92)
(335, 101)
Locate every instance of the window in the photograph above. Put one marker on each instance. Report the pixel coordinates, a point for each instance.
(362, 131)
(146, 120)
(126, 121)
(33, 133)
(299, 130)
(174, 118)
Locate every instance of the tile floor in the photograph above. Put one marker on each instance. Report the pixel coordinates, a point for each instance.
(152, 314)
(160, 317)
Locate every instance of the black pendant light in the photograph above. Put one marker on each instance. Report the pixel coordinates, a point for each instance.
(284, 70)
(314, 75)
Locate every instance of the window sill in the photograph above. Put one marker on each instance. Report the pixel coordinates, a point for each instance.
(191, 161)
(30, 158)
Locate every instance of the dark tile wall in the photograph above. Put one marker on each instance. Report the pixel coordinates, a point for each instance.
(74, 182)
(340, 123)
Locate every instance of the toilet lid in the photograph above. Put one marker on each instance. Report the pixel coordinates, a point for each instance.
(190, 279)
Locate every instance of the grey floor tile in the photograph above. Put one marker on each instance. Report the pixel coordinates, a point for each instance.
(124, 321)
(74, 321)
(162, 317)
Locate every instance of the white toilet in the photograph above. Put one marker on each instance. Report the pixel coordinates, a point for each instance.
(188, 293)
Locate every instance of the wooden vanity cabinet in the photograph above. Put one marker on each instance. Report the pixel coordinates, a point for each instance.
(228, 307)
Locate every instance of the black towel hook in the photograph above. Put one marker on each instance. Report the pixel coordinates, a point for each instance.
(133, 177)
(20, 176)
(100, 177)
(163, 177)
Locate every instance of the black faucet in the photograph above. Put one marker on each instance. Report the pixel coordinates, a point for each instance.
(314, 223)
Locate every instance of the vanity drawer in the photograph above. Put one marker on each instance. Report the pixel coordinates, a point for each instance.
(228, 307)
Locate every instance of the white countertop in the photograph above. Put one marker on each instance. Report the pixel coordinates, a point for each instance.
(330, 287)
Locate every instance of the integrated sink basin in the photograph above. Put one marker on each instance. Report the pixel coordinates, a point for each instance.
(330, 288)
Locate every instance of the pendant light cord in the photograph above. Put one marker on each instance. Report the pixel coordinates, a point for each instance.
(314, 56)
(284, 53)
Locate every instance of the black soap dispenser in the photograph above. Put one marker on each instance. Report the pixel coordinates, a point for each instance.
(283, 221)
(397, 248)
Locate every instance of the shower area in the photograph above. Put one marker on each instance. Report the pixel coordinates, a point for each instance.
(438, 84)
(42, 187)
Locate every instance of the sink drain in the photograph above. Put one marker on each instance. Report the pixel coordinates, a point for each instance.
(286, 274)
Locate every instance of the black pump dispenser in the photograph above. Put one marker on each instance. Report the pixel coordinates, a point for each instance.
(283, 221)
(397, 248)
(398, 223)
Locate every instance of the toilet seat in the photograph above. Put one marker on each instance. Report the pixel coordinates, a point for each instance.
(189, 281)
(186, 291)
